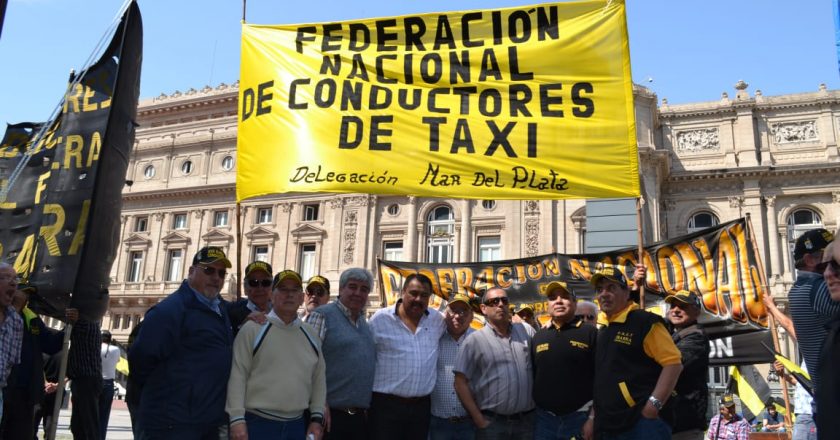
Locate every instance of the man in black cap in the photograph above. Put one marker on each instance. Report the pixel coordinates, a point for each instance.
(182, 356)
(257, 284)
(691, 395)
(317, 294)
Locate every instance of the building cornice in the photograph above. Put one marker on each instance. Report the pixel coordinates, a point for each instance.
(755, 172)
(221, 189)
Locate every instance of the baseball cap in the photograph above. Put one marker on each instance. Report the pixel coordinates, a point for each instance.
(258, 265)
(811, 241)
(460, 297)
(609, 273)
(211, 254)
(685, 297)
(318, 279)
(548, 288)
(287, 275)
(727, 400)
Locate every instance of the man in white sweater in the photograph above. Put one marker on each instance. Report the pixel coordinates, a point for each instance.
(278, 372)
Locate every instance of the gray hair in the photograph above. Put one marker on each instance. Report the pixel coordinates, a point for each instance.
(355, 274)
(588, 303)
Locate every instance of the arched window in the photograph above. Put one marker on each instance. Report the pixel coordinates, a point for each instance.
(702, 220)
(440, 235)
(227, 163)
(799, 221)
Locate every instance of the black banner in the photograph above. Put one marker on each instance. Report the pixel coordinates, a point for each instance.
(62, 213)
(720, 263)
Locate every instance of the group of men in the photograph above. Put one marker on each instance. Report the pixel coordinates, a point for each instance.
(257, 368)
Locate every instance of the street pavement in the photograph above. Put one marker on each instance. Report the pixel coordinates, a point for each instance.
(119, 425)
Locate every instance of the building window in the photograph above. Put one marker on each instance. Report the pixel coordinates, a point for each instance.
(220, 219)
(393, 209)
(174, 265)
(440, 232)
(488, 204)
(264, 216)
(702, 220)
(115, 322)
(718, 377)
(126, 323)
(260, 253)
(141, 224)
(393, 250)
(227, 163)
(489, 248)
(179, 221)
(310, 213)
(135, 262)
(187, 167)
(149, 171)
(307, 261)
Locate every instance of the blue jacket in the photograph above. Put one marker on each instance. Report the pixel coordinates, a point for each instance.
(181, 362)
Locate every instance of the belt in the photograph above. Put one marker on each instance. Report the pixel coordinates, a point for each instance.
(350, 411)
(456, 419)
(507, 417)
(401, 399)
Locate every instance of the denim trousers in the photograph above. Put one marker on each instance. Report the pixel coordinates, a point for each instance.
(260, 428)
(804, 428)
(550, 426)
(444, 429)
(644, 429)
(503, 428)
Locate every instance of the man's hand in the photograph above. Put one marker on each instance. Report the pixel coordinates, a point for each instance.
(315, 431)
(239, 431)
(639, 276)
(483, 423)
(650, 411)
(50, 387)
(72, 315)
(327, 418)
(779, 368)
(258, 317)
(589, 429)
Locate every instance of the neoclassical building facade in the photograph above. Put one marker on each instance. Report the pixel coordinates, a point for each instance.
(774, 158)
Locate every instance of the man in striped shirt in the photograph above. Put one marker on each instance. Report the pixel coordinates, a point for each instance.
(11, 327)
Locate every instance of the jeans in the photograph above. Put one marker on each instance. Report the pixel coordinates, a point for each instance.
(106, 399)
(502, 428)
(444, 429)
(804, 428)
(550, 426)
(199, 432)
(260, 428)
(644, 429)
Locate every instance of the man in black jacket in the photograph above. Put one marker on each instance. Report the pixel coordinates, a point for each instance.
(692, 392)
(257, 284)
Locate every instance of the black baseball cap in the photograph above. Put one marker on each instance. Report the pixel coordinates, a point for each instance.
(609, 273)
(211, 254)
(811, 241)
(286, 275)
(258, 265)
(685, 297)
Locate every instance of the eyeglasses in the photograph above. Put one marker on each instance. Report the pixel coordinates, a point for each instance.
(587, 317)
(259, 283)
(494, 302)
(210, 271)
(835, 266)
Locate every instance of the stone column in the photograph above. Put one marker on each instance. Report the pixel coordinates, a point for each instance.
(466, 230)
(411, 246)
(787, 276)
(772, 238)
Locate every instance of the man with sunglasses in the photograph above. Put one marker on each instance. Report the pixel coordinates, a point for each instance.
(257, 286)
(182, 356)
(828, 393)
(587, 311)
(637, 365)
(691, 398)
(317, 294)
(494, 375)
(406, 337)
(564, 349)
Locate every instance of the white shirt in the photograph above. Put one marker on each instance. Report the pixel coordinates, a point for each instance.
(110, 357)
(406, 362)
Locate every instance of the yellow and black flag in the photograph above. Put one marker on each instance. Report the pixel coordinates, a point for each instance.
(752, 389)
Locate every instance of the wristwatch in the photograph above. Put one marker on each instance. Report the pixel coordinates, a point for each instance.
(655, 402)
(317, 419)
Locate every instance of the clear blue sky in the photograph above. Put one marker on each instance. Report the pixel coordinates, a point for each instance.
(692, 50)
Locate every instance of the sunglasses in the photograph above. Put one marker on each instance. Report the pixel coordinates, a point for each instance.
(259, 283)
(835, 266)
(588, 317)
(316, 292)
(210, 271)
(494, 302)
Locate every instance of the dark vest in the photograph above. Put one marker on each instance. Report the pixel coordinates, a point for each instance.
(624, 375)
(350, 357)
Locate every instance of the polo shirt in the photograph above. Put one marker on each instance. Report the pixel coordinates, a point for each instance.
(811, 309)
(564, 366)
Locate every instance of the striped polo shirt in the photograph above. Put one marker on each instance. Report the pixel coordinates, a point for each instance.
(811, 308)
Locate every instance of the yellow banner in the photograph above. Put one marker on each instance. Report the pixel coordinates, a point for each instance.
(531, 102)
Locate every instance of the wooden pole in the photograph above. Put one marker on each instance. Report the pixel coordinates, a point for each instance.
(238, 250)
(641, 248)
(59, 392)
(772, 324)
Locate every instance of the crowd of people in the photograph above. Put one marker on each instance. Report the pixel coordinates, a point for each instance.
(205, 368)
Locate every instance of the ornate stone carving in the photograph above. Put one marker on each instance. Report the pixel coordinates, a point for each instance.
(351, 218)
(123, 218)
(835, 196)
(701, 139)
(159, 216)
(357, 201)
(532, 207)
(794, 131)
(285, 206)
(770, 201)
(349, 245)
(736, 201)
(199, 214)
(336, 202)
(532, 237)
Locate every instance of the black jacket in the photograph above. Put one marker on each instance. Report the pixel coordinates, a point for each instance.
(828, 393)
(690, 399)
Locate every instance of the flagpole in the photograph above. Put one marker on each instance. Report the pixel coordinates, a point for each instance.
(238, 251)
(641, 286)
(772, 324)
(243, 10)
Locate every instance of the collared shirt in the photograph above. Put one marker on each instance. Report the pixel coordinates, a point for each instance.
(273, 314)
(317, 320)
(84, 358)
(498, 368)
(11, 338)
(445, 402)
(811, 309)
(213, 304)
(405, 361)
(110, 357)
(734, 429)
(801, 399)
(564, 366)
(658, 343)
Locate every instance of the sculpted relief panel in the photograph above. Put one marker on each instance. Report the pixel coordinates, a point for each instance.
(794, 131)
(699, 140)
